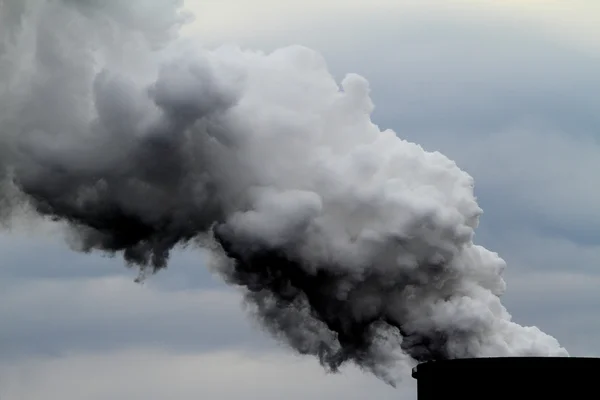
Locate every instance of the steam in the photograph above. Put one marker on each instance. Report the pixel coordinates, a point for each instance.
(350, 243)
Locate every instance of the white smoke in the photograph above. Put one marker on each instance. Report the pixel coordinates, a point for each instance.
(104, 116)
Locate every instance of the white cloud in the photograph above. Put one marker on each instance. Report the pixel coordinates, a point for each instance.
(563, 304)
(539, 171)
(97, 297)
(150, 374)
(545, 252)
(58, 315)
(576, 23)
(552, 283)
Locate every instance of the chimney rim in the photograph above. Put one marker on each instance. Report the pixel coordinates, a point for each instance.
(429, 367)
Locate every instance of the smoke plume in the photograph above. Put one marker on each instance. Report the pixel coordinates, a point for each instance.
(349, 243)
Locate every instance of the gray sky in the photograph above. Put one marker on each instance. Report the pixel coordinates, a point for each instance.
(507, 89)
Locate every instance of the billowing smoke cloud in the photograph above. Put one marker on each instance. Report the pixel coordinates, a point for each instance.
(350, 243)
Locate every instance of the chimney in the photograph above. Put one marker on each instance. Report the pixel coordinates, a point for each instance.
(509, 378)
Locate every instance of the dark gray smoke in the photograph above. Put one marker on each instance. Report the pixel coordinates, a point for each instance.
(350, 243)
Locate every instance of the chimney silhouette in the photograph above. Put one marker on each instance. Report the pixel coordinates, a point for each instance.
(509, 378)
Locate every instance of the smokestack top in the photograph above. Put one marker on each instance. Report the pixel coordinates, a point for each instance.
(508, 377)
(501, 365)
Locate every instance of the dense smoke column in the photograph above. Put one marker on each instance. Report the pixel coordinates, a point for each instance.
(136, 205)
(131, 180)
(349, 243)
(288, 297)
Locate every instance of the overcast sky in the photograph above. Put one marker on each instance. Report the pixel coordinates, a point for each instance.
(508, 89)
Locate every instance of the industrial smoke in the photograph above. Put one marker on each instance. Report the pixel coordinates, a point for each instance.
(349, 243)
